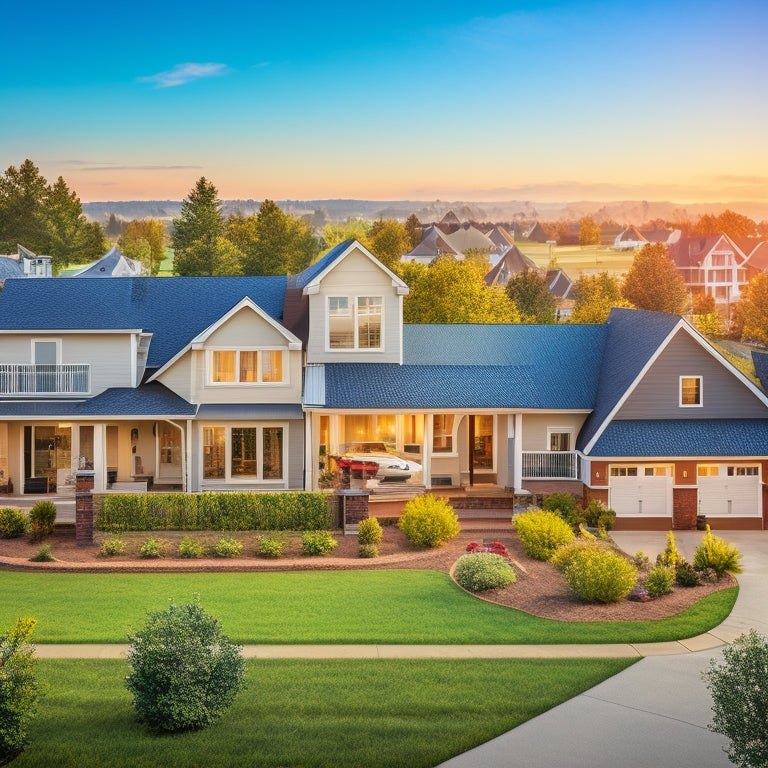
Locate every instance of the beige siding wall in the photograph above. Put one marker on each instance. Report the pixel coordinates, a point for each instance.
(356, 276)
(536, 426)
(246, 329)
(109, 355)
(178, 378)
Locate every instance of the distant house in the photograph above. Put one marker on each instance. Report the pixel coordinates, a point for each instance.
(711, 266)
(632, 238)
(511, 264)
(757, 256)
(112, 264)
(433, 243)
(25, 263)
(450, 223)
(537, 234)
(502, 241)
(561, 287)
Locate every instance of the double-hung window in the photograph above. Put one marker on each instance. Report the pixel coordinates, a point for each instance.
(690, 391)
(354, 322)
(230, 366)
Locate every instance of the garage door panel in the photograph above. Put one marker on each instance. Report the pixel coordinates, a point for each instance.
(651, 496)
(731, 496)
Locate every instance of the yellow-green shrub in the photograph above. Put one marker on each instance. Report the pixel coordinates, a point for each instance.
(563, 556)
(428, 521)
(600, 575)
(717, 554)
(479, 571)
(542, 533)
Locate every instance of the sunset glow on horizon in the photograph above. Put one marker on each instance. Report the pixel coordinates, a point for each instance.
(491, 101)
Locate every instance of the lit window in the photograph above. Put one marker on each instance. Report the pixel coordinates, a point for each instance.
(442, 433)
(708, 470)
(354, 323)
(246, 367)
(559, 441)
(743, 471)
(690, 390)
(243, 453)
(623, 471)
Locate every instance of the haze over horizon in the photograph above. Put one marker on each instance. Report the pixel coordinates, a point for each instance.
(546, 101)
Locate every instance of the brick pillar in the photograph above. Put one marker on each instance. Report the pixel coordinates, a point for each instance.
(685, 502)
(84, 516)
(354, 506)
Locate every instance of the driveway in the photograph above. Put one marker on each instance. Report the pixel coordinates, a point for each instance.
(653, 714)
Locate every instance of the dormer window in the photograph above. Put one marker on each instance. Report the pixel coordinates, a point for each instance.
(253, 366)
(690, 391)
(354, 322)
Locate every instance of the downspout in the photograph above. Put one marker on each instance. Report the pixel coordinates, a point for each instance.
(184, 442)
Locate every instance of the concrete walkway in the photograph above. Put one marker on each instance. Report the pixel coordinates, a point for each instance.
(653, 714)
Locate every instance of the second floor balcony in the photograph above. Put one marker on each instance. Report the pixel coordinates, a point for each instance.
(550, 465)
(25, 379)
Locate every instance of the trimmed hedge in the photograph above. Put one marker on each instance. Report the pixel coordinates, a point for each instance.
(211, 511)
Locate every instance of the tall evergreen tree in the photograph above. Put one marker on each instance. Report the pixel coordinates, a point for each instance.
(23, 192)
(196, 232)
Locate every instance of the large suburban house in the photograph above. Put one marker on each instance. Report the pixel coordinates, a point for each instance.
(255, 382)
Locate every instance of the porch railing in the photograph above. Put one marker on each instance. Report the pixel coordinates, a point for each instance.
(24, 379)
(550, 465)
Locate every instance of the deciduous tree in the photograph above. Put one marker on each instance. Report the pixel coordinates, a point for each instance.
(529, 292)
(144, 240)
(728, 222)
(388, 241)
(589, 231)
(594, 297)
(653, 281)
(414, 229)
(354, 229)
(752, 309)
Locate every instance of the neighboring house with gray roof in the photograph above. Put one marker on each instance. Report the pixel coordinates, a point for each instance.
(24, 263)
(229, 383)
(112, 264)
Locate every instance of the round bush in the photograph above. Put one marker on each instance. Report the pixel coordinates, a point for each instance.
(191, 548)
(428, 521)
(13, 523)
(270, 547)
(112, 545)
(600, 576)
(368, 550)
(228, 548)
(317, 543)
(184, 672)
(152, 548)
(479, 571)
(369, 531)
(659, 580)
(563, 556)
(42, 518)
(542, 533)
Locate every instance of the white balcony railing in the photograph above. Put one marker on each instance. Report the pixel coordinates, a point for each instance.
(550, 465)
(24, 379)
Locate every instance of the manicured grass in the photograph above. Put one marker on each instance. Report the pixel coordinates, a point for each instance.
(314, 714)
(315, 607)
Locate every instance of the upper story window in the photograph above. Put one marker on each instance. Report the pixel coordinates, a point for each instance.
(254, 366)
(46, 351)
(690, 391)
(354, 322)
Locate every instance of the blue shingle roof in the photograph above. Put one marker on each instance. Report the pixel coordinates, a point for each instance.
(633, 336)
(683, 437)
(760, 361)
(173, 309)
(313, 270)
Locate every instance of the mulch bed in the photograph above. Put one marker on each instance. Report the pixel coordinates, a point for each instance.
(539, 588)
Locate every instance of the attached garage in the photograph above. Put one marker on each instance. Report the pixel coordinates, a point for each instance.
(638, 490)
(729, 490)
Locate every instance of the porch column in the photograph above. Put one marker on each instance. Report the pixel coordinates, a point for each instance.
(188, 463)
(517, 451)
(427, 450)
(309, 452)
(99, 457)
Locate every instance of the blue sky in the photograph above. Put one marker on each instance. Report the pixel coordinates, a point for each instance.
(476, 101)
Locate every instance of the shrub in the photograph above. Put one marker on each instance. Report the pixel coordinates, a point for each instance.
(190, 548)
(370, 531)
(41, 520)
(586, 534)
(563, 556)
(670, 557)
(597, 515)
(565, 505)
(368, 550)
(717, 554)
(600, 575)
(19, 689)
(542, 533)
(152, 548)
(659, 580)
(687, 575)
(13, 523)
(270, 546)
(739, 688)
(184, 672)
(44, 555)
(479, 571)
(428, 521)
(317, 543)
(641, 561)
(228, 548)
(113, 545)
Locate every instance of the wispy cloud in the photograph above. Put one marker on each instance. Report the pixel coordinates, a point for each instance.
(182, 74)
(104, 165)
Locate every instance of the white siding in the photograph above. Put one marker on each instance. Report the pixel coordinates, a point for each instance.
(535, 428)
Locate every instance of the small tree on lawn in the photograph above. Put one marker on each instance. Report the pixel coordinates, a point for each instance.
(184, 672)
(739, 688)
(18, 689)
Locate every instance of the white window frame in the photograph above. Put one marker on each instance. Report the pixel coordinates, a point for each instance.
(37, 339)
(229, 478)
(454, 435)
(237, 383)
(700, 404)
(353, 303)
(560, 430)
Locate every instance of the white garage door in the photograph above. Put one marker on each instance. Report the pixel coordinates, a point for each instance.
(734, 495)
(646, 496)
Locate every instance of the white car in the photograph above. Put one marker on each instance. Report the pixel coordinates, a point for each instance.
(392, 468)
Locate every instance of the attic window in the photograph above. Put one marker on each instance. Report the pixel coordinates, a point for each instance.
(690, 391)
(354, 322)
(263, 366)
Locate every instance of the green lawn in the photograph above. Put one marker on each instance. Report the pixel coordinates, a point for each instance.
(575, 259)
(390, 606)
(334, 714)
